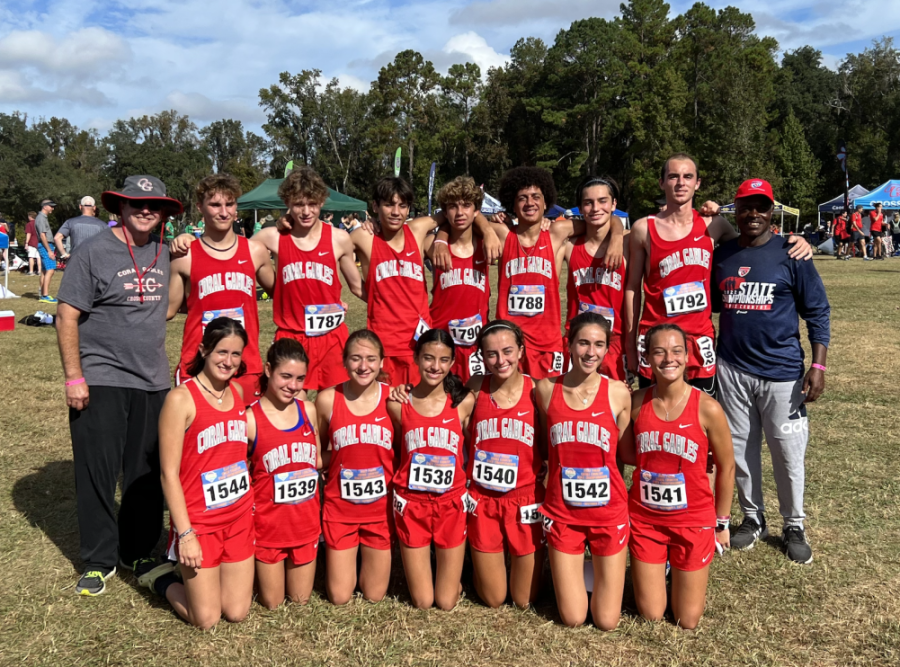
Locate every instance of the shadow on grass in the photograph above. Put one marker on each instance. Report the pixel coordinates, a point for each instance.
(46, 498)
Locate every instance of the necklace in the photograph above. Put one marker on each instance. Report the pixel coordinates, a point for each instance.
(509, 398)
(584, 401)
(212, 247)
(673, 407)
(210, 391)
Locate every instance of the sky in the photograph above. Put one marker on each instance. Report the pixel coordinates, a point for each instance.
(93, 62)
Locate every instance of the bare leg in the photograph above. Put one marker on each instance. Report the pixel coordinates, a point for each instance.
(270, 582)
(340, 580)
(689, 596)
(237, 589)
(374, 573)
(447, 581)
(490, 577)
(525, 578)
(417, 567)
(300, 580)
(649, 581)
(568, 582)
(609, 586)
(198, 599)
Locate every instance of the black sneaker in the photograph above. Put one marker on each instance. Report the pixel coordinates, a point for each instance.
(796, 547)
(93, 582)
(147, 570)
(749, 533)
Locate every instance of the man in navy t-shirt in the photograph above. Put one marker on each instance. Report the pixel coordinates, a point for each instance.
(763, 382)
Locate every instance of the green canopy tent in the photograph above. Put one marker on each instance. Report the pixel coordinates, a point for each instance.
(265, 196)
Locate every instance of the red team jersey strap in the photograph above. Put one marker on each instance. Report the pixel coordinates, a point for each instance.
(584, 487)
(502, 444)
(214, 473)
(431, 454)
(362, 462)
(221, 288)
(307, 296)
(397, 295)
(676, 289)
(285, 481)
(669, 484)
(591, 287)
(528, 292)
(460, 296)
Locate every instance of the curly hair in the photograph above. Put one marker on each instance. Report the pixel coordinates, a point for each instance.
(461, 188)
(225, 184)
(519, 178)
(303, 183)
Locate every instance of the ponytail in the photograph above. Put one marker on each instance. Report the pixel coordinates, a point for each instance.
(455, 388)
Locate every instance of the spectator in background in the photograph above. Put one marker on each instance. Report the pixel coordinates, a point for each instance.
(4, 229)
(45, 249)
(876, 226)
(841, 236)
(857, 236)
(113, 220)
(31, 246)
(895, 232)
(80, 228)
(169, 229)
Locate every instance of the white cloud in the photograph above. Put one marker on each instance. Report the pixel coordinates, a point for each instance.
(475, 48)
(485, 13)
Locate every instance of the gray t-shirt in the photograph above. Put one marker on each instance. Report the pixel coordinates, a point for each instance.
(81, 228)
(41, 224)
(122, 341)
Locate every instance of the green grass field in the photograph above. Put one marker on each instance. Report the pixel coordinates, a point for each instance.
(761, 609)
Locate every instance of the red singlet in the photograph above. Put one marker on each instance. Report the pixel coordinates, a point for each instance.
(502, 444)
(285, 481)
(669, 485)
(214, 474)
(307, 296)
(875, 221)
(462, 294)
(676, 290)
(528, 292)
(431, 454)
(361, 471)
(584, 487)
(590, 284)
(398, 298)
(221, 288)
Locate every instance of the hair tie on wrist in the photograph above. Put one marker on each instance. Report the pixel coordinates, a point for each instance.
(441, 241)
(818, 367)
(72, 383)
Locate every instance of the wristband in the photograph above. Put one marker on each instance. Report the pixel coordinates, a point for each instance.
(723, 525)
(72, 383)
(181, 536)
(441, 241)
(818, 367)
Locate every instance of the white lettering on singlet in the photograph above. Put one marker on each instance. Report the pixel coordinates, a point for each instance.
(366, 434)
(518, 265)
(398, 268)
(456, 277)
(595, 275)
(433, 436)
(296, 452)
(671, 443)
(584, 432)
(685, 257)
(307, 271)
(230, 281)
(234, 430)
(509, 429)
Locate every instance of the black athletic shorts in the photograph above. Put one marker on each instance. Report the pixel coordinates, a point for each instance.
(856, 236)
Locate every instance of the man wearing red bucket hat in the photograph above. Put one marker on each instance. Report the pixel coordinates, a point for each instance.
(111, 328)
(764, 385)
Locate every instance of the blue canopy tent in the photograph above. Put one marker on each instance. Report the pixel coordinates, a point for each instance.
(836, 205)
(886, 193)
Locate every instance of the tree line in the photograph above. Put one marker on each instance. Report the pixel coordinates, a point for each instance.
(610, 97)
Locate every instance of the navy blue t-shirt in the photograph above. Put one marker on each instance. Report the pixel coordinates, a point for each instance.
(761, 293)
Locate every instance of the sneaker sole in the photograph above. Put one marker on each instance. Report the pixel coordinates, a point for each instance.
(798, 562)
(148, 578)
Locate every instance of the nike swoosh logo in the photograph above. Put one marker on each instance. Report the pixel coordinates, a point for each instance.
(243, 261)
(479, 261)
(411, 253)
(378, 419)
(623, 539)
(241, 412)
(697, 238)
(447, 421)
(597, 414)
(706, 559)
(684, 425)
(521, 414)
(542, 247)
(307, 433)
(322, 254)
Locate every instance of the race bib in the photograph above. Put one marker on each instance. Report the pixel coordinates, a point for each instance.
(399, 504)
(608, 313)
(497, 472)
(430, 473)
(686, 298)
(321, 319)
(707, 350)
(469, 504)
(529, 514)
(526, 300)
(476, 364)
(556, 365)
(225, 486)
(586, 487)
(362, 487)
(664, 492)
(295, 487)
(464, 332)
(210, 315)
(421, 328)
